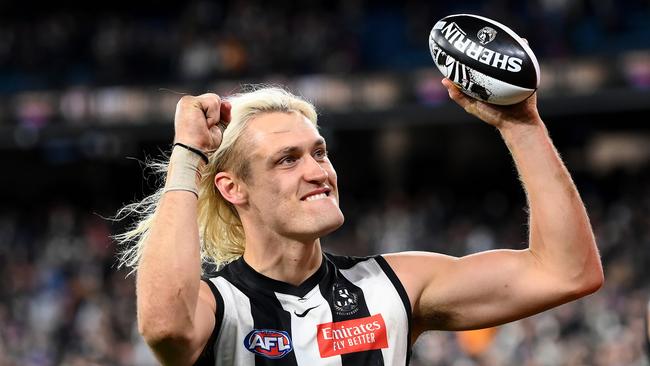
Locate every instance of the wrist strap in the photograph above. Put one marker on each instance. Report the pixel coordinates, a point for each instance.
(198, 152)
(183, 171)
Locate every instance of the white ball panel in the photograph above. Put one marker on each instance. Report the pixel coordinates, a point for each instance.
(476, 84)
(516, 37)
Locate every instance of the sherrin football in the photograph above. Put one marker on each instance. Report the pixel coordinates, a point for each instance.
(486, 59)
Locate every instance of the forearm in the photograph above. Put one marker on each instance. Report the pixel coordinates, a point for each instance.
(170, 268)
(169, 272)
(561, 237)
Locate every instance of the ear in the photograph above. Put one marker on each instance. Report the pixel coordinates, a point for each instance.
(230, 188)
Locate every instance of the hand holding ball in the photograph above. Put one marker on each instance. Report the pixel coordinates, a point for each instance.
(486, 59)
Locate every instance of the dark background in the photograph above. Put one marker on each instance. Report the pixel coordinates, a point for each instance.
(88, 93)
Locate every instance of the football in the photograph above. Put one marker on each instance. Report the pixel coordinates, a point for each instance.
(485, 58)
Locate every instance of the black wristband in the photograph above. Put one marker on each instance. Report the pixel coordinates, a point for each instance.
(198, 152)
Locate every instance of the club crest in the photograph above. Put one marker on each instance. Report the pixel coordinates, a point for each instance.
(486, 35)
(346, 302)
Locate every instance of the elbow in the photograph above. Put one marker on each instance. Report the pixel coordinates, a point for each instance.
(157, 333)
(586, 275)
(591, 280)
(596, 280)
(593, 275)
(160, 322)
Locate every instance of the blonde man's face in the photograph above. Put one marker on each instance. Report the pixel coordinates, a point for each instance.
(293, 187)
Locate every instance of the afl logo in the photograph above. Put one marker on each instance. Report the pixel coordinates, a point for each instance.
(486, 35)
(269, 343)
(346, 302)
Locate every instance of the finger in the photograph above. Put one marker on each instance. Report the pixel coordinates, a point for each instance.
(226, 108)
(221, 126)
(216, 135)
(210, 104)
(457, 96)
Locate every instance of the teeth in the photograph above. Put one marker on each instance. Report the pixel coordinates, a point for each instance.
(316, 197)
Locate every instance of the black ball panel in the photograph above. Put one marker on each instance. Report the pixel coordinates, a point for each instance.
(488, 47)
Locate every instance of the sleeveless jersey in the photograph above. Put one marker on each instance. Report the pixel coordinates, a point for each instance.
(352, 311)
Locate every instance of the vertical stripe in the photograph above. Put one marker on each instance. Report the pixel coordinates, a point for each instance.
(268, 314)
(237, 323)
(336, 292)
(336, 310)
(306, 313)
(399, 287)
(207, 357)
(383, 298)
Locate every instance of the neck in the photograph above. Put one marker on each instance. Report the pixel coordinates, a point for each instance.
(288, 261)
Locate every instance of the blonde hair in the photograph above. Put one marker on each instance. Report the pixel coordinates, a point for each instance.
(220, 229)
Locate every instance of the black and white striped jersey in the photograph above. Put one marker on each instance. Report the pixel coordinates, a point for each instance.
(352, 311)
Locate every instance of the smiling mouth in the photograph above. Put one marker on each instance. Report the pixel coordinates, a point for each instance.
(315, 197)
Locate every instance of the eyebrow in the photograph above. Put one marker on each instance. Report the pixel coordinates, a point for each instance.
(293, 149)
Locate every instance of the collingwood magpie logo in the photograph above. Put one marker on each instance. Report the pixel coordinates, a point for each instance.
(486, 35)
(346, 302)
(458, 39)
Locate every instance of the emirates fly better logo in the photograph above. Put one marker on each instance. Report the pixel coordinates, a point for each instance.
(352, 336)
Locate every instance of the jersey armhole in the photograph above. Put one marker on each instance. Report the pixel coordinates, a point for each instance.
(207, 356)
(403, 295)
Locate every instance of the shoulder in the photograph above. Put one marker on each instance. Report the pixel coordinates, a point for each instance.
(215, 281)
(346, 262)
(369, 267)
(417, 261)
(402, 264)
(210, 295)
(416, 268)
(216, 287)
(211, 270)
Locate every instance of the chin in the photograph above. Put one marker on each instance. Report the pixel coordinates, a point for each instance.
(332, 225)
(322, 226)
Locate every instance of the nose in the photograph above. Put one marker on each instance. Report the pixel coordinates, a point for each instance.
(314, 172)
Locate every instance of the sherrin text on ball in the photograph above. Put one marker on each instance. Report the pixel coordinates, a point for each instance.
(485, 58)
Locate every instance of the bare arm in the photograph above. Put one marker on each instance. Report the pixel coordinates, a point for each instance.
(175, 309)
(561, 263)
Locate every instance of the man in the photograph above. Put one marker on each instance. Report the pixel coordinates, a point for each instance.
(263, 200)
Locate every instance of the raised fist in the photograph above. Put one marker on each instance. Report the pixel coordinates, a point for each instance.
(199, 121)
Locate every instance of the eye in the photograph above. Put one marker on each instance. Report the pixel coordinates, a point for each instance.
(320, 153)
(287, 160)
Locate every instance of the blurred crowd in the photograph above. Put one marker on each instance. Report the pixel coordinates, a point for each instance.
(120, 44)
(62, 301)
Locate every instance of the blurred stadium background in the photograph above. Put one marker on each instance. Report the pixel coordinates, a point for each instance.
(85, 99)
